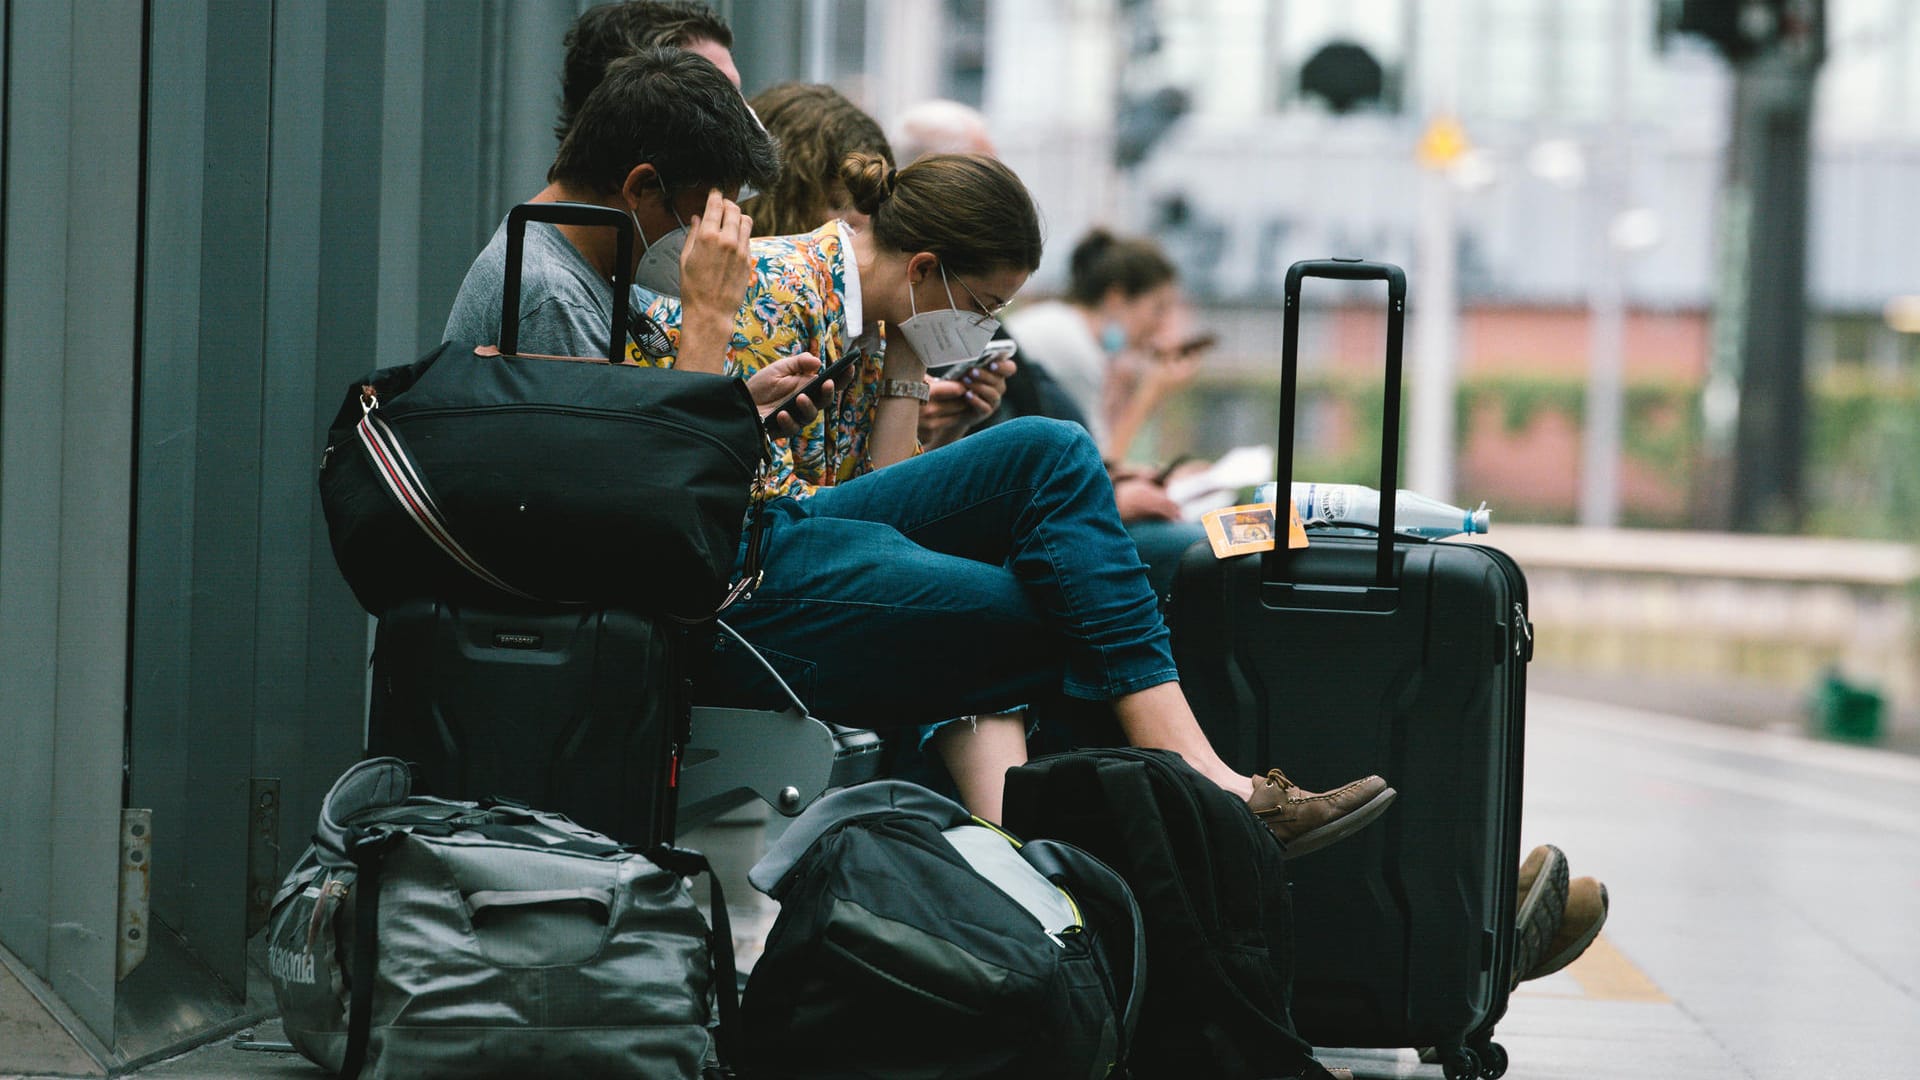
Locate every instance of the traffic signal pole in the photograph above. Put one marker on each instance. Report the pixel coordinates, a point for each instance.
(1754, 406)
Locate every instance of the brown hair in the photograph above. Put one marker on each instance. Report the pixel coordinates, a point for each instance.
(817, 128)
(608, 32)
(670, 109)
(1103, 261)
(968, 209)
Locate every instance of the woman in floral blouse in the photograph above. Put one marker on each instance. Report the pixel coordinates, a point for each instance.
(904, 589)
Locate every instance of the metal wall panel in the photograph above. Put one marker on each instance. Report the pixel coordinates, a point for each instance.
(299, 647)
(231, 250)
(317, 176)
(161, 737)
(73, 162)
(34, 298)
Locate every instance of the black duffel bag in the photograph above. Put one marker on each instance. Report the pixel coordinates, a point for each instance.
(477, 475)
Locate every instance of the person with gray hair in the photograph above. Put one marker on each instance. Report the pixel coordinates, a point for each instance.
(941, 127)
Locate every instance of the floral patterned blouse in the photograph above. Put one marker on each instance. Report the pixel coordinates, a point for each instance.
(805, 297)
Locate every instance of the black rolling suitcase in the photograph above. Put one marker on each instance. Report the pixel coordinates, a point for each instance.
(492, 693)
(577, 711)
(1376, 653)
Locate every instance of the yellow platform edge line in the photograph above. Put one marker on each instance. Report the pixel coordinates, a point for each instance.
(1605, 974)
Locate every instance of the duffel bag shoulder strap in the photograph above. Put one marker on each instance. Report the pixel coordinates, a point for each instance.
(687, 863)
(396, 470)
(368, 849)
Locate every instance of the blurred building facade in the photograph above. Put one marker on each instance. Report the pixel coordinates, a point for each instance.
(1258, 171)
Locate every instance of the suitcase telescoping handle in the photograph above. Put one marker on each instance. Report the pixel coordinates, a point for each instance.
(567, 213)
(1274, 563)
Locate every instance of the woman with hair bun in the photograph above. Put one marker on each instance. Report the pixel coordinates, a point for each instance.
(957, 237)
(974, 578)
(816, 127)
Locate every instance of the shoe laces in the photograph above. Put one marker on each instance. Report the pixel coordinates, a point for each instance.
(1279, 779)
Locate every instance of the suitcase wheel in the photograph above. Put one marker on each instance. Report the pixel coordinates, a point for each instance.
(1493, 1061)
(1460, 1063)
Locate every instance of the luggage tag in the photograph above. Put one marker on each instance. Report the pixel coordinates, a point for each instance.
(1244, 529)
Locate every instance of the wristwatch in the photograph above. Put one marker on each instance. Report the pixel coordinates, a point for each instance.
(917, 389)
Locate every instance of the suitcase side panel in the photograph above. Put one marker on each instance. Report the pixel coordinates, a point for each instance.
(1402, 941)
(572, 711)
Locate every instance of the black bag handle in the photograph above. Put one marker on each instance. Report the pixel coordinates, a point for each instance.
(566, 213)
(1273, 567)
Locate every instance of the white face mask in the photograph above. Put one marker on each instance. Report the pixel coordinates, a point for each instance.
(948, 335)
(659, 268)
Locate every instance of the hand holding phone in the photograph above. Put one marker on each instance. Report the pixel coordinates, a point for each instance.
(997, 349)
(1192, 346)
(834, 372)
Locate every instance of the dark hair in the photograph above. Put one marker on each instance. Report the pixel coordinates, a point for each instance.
(670, 109)
(608, 32)
(1103, 261)
(968, 209)
(817, 128)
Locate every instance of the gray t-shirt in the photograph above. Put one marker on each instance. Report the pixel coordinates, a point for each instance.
(566, 308)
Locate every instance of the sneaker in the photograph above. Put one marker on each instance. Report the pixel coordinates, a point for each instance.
(1541, 901)
(1307, 821)
(1586, 913)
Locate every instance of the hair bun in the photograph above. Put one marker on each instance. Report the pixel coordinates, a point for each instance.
(870, 180)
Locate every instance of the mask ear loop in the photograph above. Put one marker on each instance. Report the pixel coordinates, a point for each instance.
(948, 285)
(665, 198)
(913, 307)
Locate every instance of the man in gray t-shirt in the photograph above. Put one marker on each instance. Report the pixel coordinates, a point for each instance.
(566, 307)
(666, 139)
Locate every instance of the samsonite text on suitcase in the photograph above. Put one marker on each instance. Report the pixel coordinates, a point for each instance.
(1378, 654)
(576, 711)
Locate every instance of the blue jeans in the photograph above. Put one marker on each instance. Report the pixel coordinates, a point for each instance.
(1161, 545)
(966, 580)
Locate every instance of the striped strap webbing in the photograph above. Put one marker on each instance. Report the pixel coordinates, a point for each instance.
(390, 460)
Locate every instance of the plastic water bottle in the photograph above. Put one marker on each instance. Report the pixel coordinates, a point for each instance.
(1413, 513)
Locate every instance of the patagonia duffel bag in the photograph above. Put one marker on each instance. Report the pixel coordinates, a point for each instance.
(916, 941)
(421, 938)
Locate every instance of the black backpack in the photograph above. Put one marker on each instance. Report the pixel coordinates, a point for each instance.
(915, 941)
(1211, 885)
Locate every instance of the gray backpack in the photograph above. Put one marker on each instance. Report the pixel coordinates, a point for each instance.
(426, 938)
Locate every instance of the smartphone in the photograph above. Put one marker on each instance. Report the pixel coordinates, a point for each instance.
(997, 349)
(833, 371)
(1194, 344)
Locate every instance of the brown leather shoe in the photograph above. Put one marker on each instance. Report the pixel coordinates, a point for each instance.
(1307, 821)
(1541, 903)
(1586, 914)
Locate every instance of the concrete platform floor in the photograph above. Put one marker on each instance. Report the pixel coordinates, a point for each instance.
(1765, 923)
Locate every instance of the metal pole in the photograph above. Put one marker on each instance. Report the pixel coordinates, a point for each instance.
(1772, 162)
(819, 31)
(1600, 447)
(1435, 301)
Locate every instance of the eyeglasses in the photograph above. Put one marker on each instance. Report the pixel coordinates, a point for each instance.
(981, 313)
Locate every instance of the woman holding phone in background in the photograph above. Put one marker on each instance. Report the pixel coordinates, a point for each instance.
(1107, 343)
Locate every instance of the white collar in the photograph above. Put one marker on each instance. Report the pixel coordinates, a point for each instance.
(850, 290)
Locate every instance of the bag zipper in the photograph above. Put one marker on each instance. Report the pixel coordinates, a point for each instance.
(578, 410)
